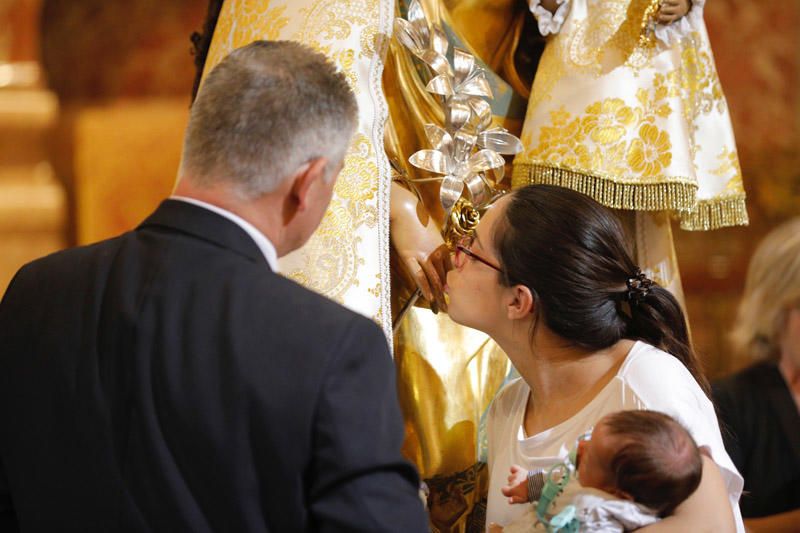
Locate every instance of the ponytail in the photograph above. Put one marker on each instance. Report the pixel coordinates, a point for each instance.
(657, 318)
(570, 252)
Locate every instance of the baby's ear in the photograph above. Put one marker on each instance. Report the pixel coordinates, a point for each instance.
(705, 450)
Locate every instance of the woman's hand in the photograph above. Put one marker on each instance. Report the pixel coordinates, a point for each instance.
(420, 246)
(672, 10)
(707, 509)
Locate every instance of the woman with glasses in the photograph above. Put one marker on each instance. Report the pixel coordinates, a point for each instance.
(547, 275)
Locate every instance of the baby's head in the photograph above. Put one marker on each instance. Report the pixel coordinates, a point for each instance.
(644, 456)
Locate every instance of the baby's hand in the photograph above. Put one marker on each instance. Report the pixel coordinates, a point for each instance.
(517, 489)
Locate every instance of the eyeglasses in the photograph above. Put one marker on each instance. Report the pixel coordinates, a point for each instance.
(463, 248)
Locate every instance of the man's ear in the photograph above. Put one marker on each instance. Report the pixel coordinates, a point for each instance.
(303, 180)
(520, 304)
(299, 185)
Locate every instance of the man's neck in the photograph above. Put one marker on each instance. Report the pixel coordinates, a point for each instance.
(260, 212)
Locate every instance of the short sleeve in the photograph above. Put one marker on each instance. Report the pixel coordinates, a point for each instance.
(658, 381)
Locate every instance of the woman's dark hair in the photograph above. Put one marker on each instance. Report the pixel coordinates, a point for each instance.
(657, 463)
(201, 42)
(570, 252)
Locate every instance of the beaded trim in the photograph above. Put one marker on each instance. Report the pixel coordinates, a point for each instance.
(678, 196)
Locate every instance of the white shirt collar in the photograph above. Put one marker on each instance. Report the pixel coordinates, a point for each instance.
(263, 243)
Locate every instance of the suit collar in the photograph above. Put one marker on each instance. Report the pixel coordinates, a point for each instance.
(206, 225)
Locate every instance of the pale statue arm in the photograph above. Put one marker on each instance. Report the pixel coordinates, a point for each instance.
(707, 510)
(418, 242)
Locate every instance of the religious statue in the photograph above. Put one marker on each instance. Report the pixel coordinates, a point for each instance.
(381, 241)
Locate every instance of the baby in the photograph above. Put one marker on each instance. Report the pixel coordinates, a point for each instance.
(636, 467)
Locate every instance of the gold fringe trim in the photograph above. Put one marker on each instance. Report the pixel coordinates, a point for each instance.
(681, 198)
(714, 214)
(675, 196)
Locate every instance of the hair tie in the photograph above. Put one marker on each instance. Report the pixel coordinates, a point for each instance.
(638, 287)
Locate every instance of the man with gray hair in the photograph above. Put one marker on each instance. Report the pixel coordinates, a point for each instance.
(170, 380)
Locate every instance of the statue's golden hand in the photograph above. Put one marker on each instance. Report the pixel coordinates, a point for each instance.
(418, 242)
(672, 10)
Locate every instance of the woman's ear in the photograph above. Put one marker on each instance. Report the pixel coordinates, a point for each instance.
(520, 304)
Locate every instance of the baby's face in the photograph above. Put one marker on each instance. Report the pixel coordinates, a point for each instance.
(594, 456)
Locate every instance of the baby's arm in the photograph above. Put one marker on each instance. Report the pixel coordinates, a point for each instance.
(523, 486)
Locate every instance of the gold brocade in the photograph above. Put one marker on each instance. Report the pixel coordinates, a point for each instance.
(347, 259)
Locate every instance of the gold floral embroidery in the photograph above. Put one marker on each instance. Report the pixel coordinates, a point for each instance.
(587, 42)
(651, 152)
(244, 21)
(696, 80)
(331, 258)
(334, 20)
(351, 240)
(607, 121)
(610, 137)
(730, 170)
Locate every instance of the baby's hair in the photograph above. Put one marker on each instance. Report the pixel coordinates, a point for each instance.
(658, 462)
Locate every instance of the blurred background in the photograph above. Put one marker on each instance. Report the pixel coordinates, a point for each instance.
(94, 97)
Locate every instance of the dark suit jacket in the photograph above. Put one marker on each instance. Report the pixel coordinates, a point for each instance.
(168, 380)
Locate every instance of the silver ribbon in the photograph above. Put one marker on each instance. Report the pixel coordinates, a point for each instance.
(464, 151)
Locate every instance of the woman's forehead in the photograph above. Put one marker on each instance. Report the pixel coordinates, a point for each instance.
(484, 231)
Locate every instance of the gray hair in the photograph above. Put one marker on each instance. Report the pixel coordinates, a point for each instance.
(262, 112)
(772, 289)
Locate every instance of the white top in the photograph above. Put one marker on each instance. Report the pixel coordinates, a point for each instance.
(264, 244)
(649, 378)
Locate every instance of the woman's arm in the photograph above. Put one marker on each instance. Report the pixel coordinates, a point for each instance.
(708, 509)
